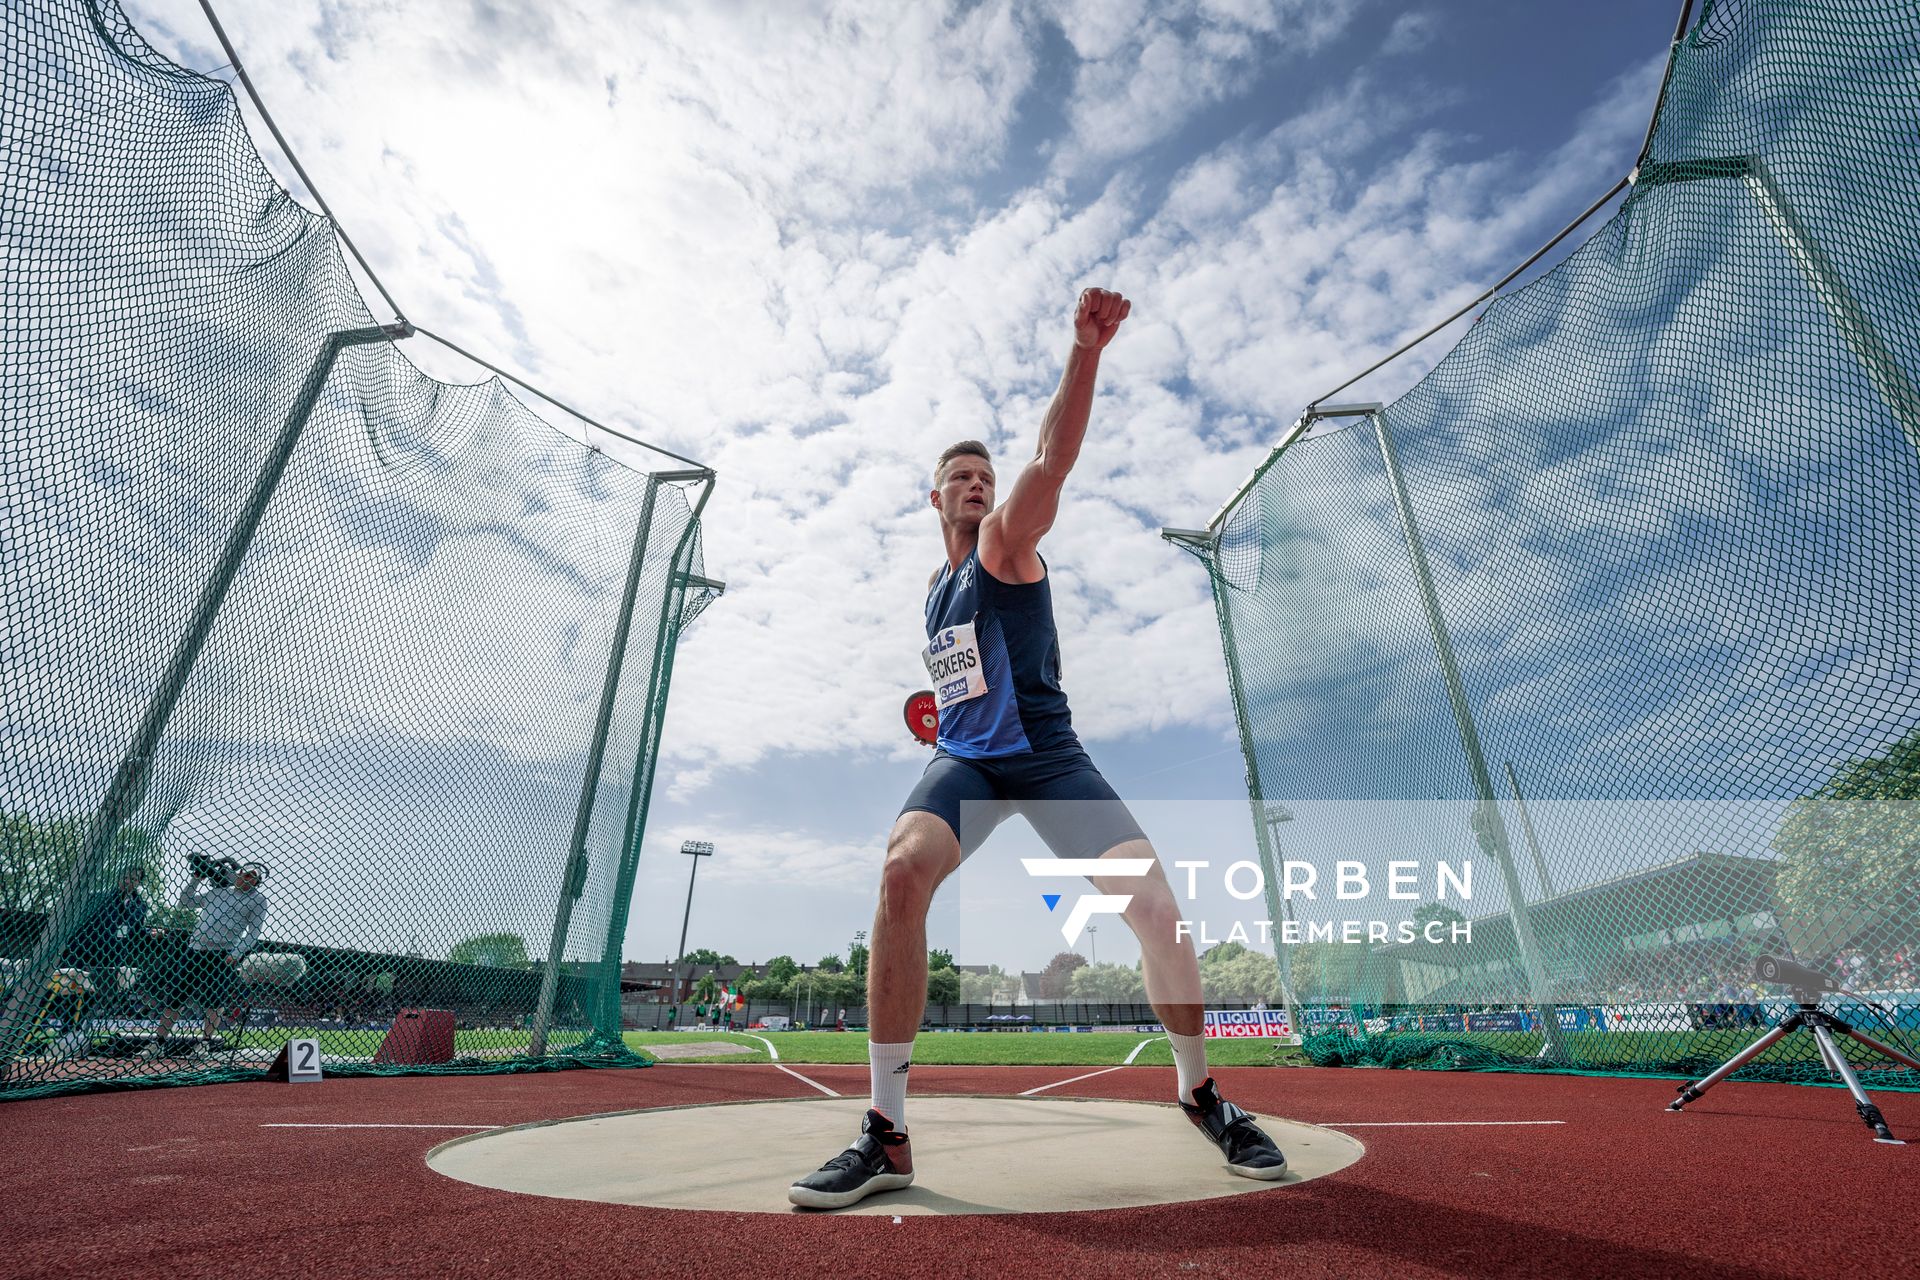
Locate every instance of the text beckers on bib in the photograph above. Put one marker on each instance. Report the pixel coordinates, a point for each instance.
(954, 667)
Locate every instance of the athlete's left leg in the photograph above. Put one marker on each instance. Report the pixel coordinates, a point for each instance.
(1079, 815)
(1167, 962)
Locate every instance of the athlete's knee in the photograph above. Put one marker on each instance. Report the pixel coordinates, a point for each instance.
(906, 884)
(1154, 915)
(918, 859)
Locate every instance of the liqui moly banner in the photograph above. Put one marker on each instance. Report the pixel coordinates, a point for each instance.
(1247, 1022)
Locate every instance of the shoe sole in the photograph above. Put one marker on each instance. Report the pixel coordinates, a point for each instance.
(1272, 1174)
(809, 1198)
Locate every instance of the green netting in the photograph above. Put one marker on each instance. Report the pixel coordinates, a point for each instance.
(274, 596)
(1665, 677)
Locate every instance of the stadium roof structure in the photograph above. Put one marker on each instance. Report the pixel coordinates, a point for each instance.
(1697, 889)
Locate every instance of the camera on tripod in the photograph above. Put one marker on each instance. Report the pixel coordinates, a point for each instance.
(218, 868)
(1782, 972)
(1808, 983)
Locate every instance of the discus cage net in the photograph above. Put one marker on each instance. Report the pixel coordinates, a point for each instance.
(1620, 600)
(273, 596)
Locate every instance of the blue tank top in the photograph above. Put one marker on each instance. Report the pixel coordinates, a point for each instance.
(1023, 708)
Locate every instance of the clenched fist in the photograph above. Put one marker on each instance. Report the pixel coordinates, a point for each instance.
(1098, 318)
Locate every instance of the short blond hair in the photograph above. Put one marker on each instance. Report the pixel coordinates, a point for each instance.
(952, 451)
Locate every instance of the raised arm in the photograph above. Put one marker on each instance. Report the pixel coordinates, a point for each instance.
(1010, 535)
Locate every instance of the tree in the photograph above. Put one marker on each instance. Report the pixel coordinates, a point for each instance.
(852, 990)
(1224, 952)
(943, 986)
(781, 969)
(983, 988)
(1435, 911)
(1242, 975)
(37, 856)
(706, 989)
(938, 958)
(831, 964)
(1055, 978)
(763, 990)
(1850, 852)
(707, 955)
(825, 989)
(857, 959)
(490, 951)
(1111, 983)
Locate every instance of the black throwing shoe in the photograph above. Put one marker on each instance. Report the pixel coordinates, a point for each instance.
(879, 1160)
(1250, 1153)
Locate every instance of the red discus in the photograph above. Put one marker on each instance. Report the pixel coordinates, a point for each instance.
(923, 717)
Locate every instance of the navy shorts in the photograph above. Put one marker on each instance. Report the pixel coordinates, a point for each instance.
(1059, 791)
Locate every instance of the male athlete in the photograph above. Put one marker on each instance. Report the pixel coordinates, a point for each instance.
(1007, 745)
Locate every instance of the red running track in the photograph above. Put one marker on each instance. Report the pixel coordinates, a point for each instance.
(1752, 1181)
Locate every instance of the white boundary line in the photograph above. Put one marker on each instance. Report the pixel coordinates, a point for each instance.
(797, 1076)
(1028, 1093)
(1137, 1048)
(379, 1126)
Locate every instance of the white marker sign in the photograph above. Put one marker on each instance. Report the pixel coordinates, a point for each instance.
(303, 1061)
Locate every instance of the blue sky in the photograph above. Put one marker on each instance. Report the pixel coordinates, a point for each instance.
(811, 248)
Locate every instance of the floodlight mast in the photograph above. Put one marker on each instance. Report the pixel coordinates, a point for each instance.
(695, 849)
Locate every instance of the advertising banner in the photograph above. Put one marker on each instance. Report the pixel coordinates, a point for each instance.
(1234, 1023)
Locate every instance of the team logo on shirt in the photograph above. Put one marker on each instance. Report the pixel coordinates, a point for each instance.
(966, 575)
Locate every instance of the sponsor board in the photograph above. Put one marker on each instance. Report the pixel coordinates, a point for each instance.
(1236, 1023)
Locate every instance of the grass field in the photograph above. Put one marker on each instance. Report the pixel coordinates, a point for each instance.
(1598, 1051)
(1032, 1048)
(1653, 1050)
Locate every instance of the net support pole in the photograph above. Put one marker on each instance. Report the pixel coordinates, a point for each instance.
(573, 877)
(647, 758)
(129, 782)
(1203, 545)
(1890, 381)
(1274, 864)
(1859, 333)
(1489, 826)
(1533, 837)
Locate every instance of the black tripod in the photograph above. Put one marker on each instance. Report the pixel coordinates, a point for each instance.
(1823, 1026)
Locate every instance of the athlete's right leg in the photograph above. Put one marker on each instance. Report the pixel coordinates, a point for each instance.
(922, 851)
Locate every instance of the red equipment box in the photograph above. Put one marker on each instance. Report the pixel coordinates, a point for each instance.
(418, 1036)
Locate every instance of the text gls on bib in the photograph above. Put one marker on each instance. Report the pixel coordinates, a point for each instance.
(953, 665)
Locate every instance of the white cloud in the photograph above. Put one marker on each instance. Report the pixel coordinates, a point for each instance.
(725, 229)
(1145, 69)
(1410, 33)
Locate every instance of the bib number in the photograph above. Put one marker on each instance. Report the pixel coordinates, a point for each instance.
(954, 667)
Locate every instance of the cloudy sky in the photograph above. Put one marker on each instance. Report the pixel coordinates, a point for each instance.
(811, 245)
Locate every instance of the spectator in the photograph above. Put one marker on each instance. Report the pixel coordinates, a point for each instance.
(105, 936)
(231, 918)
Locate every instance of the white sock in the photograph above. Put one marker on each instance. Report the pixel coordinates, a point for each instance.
(887, 1066)
(1190, 1061)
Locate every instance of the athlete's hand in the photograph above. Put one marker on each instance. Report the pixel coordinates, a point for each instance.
(1098, 318)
